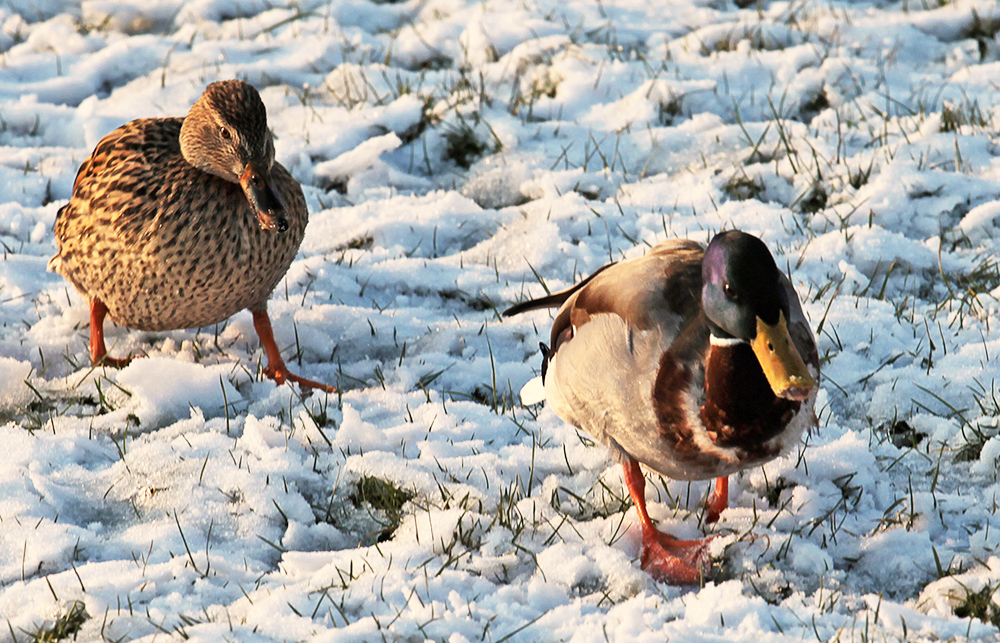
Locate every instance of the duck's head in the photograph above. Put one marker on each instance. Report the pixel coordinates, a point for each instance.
(744, 301)
(226, 134)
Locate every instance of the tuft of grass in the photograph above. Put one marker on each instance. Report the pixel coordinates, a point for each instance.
(984, 31)
(336, 184)
(385, 501)
(65, 626)
(545, 84)
(667, 112)
(976, 437)
(860, 176)
(978, 604)
(955, 116)
(984, 278)
(813, 200)
(435, 62)
(816, 104)
(462, 146)
(478, 302)
(364, 242)
(978, 431)
(773, 493)
(742, 188)
(967, 292)
(902, 434)
(427, 118)
(758, 37)
(507, 514)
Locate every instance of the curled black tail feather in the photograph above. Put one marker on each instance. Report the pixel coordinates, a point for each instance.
(546, 353)
(553, 300)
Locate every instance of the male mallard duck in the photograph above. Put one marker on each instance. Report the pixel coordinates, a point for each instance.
(183, 222)
(694, 362)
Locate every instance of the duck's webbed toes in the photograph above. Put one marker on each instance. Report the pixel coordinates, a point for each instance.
(677, 562)
(283, 375)
(116, 362)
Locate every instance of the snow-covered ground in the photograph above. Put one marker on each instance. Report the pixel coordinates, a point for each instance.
(458, 156)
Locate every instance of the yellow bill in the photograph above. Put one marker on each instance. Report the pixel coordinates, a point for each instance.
(780, 360)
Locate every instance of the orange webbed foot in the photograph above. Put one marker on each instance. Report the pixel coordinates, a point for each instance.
(114, 362)
(282, 375)
(276, 369)
(677, 562)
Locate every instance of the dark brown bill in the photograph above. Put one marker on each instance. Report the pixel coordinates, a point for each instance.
(263, 198)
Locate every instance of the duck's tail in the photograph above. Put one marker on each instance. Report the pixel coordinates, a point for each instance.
(553, 300)
(533, 392)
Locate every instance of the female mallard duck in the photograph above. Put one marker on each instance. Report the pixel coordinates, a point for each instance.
(694, 362)
(183, 222)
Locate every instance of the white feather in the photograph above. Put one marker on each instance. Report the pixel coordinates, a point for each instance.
(533, 392)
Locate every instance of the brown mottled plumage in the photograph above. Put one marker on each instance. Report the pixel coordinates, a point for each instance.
(182, 222)
(695, 362)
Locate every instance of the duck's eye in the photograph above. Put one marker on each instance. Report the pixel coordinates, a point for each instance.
(730, 292)
(225, 133)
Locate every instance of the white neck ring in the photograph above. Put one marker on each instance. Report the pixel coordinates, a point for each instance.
(725, 341)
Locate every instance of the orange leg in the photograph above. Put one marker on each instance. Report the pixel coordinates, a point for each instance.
(678, 562)
(276, 369)
(98, 351)
(718, 501)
